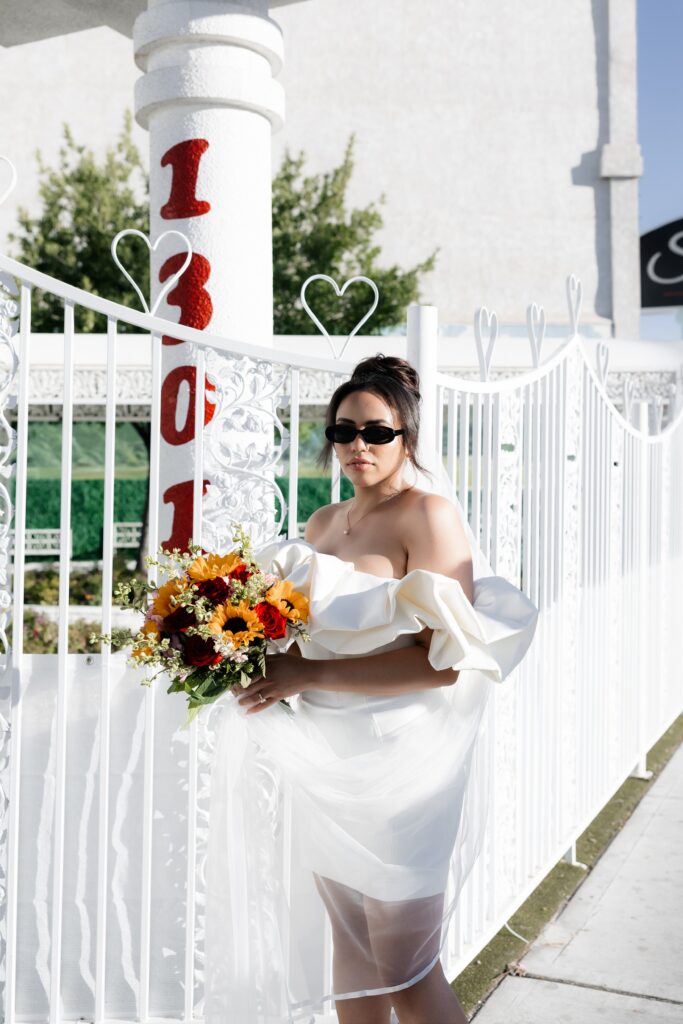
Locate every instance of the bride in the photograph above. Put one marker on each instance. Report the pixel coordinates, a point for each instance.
(362, 814)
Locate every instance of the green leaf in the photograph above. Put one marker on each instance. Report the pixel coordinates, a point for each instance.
(87, 200)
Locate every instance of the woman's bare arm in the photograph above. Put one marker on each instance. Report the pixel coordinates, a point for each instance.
(438, 544)
(388, 674)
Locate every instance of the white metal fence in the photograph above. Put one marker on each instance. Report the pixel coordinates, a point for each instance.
(105, 801)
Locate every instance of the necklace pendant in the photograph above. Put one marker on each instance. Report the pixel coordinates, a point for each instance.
(346, 531)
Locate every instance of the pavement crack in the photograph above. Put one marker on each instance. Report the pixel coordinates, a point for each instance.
(519, 971)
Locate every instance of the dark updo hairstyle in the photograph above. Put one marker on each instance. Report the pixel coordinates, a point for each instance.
(393, 380)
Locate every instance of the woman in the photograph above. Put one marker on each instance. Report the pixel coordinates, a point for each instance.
(387, 792)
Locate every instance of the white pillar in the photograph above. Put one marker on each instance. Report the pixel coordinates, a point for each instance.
(622, 163)
(210, 104)
(422, 341)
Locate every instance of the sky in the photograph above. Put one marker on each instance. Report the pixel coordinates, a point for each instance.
(660, 133)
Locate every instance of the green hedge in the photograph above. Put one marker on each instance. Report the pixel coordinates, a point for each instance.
(313, 491)
(87, 498)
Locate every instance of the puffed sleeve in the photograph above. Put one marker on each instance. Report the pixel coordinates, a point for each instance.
(491, 635)
(353, 613)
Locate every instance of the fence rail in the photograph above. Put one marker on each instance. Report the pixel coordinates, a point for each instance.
(105, 800)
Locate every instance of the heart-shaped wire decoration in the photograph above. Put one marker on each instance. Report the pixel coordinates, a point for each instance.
(602, 361)
(535, 321)
(574, 297)
(173, 279)
(340, 292)
(628, 398)
(482, 318)
(12, 179)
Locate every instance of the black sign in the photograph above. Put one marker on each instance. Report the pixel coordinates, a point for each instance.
(661, 266)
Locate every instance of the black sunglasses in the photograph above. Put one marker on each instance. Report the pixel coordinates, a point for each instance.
(344, 433)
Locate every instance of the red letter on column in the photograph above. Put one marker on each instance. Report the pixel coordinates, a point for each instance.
(180, 496)
(169, 403)
(196, 307)
(184, 159)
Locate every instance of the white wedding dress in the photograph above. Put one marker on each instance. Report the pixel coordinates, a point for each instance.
(365, 810)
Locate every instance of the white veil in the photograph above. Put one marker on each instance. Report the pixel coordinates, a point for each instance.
(266, 961)
(473, 693)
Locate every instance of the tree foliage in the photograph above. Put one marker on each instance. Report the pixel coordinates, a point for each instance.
(314, 234)
(85, 202)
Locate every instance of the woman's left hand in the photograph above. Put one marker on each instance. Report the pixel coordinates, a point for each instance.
(285, 676)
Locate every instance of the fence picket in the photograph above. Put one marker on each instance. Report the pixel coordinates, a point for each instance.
(583, 510)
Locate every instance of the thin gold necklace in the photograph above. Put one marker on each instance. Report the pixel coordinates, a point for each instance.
(396, 493)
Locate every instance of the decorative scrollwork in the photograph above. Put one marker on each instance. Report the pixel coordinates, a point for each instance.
(8, 376)
(508, 540)
(241, 453)
(46, 384)
(9, 363)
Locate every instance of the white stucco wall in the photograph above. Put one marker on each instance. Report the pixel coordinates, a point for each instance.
(481, 123)
(482, 126)
(84, 78)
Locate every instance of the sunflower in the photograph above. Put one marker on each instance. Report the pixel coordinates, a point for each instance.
(149, 628)
(162, 604)
(213, 565)
(236, 622)
(288, 601)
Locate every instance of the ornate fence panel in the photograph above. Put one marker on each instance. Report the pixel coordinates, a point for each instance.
(104, 801)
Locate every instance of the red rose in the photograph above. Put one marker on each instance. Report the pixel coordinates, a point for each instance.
(217, 590)
(274, 623)
(179, 620)
(199, 651)
(240, 573)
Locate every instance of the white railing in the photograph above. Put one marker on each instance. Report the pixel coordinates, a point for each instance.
(47, 540)
(105, 800)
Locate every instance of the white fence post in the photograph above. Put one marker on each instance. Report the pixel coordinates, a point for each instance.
(640, 770)
(603, 726)
(421, 353)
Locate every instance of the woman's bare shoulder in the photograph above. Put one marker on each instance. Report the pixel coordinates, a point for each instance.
(434, 511)
(438, 541)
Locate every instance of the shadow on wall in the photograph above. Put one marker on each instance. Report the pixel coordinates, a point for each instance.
(587, 172)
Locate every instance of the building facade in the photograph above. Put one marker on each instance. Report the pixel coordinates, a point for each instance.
(504, 135)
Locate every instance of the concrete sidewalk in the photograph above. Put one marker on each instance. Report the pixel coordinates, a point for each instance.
(615, 953)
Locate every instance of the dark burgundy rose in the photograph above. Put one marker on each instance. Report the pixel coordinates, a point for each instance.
(199, 651)
(217, 590)
(274, 622)
(240, 573)
(179, 620)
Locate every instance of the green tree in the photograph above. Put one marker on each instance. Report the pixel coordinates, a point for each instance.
(84, 205)
(314, 234)
(86, 202)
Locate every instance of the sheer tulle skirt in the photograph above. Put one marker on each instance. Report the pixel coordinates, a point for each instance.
(340, 836)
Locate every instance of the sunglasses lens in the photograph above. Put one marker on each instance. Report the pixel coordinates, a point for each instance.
(340, 434)
(378, 435)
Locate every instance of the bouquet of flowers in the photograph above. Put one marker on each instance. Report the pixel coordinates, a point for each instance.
(209, 626)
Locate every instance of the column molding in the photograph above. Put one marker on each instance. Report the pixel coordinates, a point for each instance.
(621, 163)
